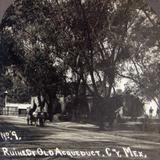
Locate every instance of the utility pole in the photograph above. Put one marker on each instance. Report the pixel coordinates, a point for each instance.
(5, 102)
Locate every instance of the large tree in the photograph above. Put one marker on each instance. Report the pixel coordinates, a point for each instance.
(83, 35)
(91, 39)
(21, 46)
(142, 67)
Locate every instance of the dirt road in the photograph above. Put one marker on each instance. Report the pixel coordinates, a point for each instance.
(66, 140)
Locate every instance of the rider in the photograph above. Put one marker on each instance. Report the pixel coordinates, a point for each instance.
(35, 113)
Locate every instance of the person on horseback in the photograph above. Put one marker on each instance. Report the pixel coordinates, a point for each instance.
(30, 111)
(33, 113)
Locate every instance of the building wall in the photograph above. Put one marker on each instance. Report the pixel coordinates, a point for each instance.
(150, 104)
(15, 109)
(10, 111)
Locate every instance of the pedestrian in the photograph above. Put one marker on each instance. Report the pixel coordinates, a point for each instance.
(158, 113)
(150, 112)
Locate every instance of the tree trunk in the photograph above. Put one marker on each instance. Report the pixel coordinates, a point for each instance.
(50, 97)
(109, 90)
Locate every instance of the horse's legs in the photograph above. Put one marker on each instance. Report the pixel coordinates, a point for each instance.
(31, 121)
(36, 120)
(27, 121)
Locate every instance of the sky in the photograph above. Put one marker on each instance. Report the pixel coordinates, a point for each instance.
(155, 4)
(4, 4)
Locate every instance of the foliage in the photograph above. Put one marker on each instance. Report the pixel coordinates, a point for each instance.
(143, 69)
(34, 62)
(91, 40)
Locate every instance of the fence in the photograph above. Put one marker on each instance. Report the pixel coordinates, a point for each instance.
(10, 111)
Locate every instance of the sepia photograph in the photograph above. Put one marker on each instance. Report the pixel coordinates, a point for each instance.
(79, 79)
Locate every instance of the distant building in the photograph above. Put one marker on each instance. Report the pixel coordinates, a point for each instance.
(151, 104)
(15, 109)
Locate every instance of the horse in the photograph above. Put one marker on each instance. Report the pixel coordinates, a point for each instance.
(31, 117)
(36, 114)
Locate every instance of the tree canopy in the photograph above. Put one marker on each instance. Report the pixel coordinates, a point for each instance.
(89, 42)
